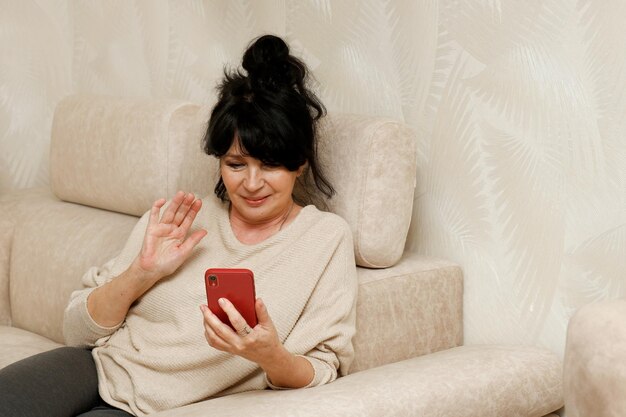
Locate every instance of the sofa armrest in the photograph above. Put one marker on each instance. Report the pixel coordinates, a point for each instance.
(411, 309)
(595, 361)
(467, 381)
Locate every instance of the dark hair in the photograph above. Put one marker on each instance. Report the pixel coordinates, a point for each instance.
(270, 111)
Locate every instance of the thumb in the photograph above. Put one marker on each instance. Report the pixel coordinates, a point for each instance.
(262, 315)
(193, 240)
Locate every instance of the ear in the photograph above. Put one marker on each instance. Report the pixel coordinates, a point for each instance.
(301, 169)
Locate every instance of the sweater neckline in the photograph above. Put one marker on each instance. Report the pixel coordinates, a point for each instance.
(284, 233)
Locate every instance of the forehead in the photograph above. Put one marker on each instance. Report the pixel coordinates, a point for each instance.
(236, 149)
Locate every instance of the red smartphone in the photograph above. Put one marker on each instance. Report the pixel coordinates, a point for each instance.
(234, 284)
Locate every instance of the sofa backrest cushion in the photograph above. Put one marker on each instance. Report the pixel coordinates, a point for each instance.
(122, 154)
(371, 162)
(53, 245)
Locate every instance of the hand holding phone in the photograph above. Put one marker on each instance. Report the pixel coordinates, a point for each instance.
(263, 346)
(236, 285)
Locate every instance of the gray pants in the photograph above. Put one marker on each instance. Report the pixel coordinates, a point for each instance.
(59, 383)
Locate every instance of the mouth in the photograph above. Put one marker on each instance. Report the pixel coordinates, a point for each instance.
(255, 202)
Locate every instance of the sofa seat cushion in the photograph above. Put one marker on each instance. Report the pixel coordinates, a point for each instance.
(17, 344)
(467, 381)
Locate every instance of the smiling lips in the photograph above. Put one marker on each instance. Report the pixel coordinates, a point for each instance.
(255, 202)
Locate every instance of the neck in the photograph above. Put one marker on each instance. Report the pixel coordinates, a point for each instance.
(255, 232)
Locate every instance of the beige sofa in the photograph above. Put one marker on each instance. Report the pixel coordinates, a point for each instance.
(111, 158)
(595, 361)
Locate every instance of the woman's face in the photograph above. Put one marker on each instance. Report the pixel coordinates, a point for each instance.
(258, 193)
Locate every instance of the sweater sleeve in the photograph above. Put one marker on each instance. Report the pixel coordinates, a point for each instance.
(329, 317)
(79, 328)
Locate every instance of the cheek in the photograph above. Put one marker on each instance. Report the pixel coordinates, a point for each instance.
(285, 182)
(229, 179)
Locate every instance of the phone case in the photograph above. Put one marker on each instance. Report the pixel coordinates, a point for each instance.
(235, 284)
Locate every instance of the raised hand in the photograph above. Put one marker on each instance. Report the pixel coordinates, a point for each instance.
(166, 245)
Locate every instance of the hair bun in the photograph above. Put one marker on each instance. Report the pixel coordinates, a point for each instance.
(269, 65)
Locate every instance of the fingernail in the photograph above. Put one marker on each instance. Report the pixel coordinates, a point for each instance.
(221, 301)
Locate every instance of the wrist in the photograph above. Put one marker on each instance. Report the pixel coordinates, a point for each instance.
(142, 274)
(280, 360)
(289, 371)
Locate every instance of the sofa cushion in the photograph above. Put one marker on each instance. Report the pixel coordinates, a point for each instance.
(6, 237)
(372, 163)
(411, 309)
(468, 381)
(17, 344)
(54, 243)
(121, 154)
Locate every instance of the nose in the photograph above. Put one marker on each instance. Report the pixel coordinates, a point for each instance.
(254, 180)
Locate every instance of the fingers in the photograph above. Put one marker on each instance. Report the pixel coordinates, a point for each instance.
(183, 210)
(170, 211)
(259, 346)
(155, 210)
(193, 240)
(236, 319)
(211, 337)
(179, 208)
(262, 315)
(222, 333)
(191, 214)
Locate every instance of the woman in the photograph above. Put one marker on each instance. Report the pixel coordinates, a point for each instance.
(151, 349)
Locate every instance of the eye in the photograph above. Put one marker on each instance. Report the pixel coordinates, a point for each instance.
(234, 165)
(270, 166)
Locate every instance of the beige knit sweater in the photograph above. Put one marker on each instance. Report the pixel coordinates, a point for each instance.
(158, 357)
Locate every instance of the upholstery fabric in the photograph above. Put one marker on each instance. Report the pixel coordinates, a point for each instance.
(54, 243)
(372, 164)
(411, 309)
(121, 154)
(10, 206)
(595, 361)
(17, 344)
(467, 381)
(6, 235)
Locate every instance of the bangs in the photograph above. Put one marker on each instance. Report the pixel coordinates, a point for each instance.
(259, 134)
